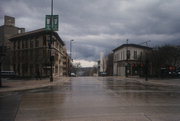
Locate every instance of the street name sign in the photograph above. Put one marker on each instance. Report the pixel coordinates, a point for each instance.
(52, 24)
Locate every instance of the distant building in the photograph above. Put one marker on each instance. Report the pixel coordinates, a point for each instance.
(102, 62)
(105, 66)
(6, 31)
(109, 69)
(31, 54)
(127, 59)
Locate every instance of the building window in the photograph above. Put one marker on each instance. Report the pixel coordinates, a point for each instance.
(18, 45)
(37, 53)
(114, 57)
(141, 54)
(19, 31)
(14, 45)
(22, 44)
(128, 54)
(31, 54)
(26, 44)
(36, 43)
(44, 52)
(44, 40)
(31, 69)
(135, 55)
(117, 56)
(26, 68)
(123, 56)
(31, 43)
(26, 56)
(56, 69)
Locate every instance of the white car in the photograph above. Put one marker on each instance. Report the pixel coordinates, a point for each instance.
(73, 74)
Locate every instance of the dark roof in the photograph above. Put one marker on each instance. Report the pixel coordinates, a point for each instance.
(132, 45)
(35, 33)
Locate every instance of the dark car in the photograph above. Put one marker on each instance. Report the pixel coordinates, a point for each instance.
(8, 74)
(103, 74)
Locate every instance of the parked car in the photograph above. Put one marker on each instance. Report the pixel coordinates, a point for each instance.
(73, 75)
(103, 74)
(8, 74)
(178, 73)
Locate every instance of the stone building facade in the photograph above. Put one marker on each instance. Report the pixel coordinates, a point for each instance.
(6, 31)
(127, 59)
(31, 54)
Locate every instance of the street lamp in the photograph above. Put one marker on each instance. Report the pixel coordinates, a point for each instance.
(70, 56)
(71, 49)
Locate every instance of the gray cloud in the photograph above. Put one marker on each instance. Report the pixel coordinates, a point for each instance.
(101, 25)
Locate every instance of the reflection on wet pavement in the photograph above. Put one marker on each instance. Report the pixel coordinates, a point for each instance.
(100, 99)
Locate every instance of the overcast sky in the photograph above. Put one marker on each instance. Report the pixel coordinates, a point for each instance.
(101, 25)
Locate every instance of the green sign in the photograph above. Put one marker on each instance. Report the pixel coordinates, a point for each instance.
(52, 25)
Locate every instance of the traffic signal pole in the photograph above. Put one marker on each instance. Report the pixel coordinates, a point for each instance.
(51, 39)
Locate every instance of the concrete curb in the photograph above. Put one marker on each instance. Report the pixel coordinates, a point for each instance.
(57, 81)
(152, 82)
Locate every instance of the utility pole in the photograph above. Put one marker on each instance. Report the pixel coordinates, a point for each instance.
(51, 59)
(127, 58)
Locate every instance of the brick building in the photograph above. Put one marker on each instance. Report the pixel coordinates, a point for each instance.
(7, 30)
(31, 54)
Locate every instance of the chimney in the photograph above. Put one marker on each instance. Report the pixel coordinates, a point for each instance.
(21, 30)
(8, 20)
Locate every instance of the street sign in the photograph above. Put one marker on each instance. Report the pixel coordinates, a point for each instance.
(52, 25)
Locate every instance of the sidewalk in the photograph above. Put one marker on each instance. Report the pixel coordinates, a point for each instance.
(20, 85)
(151, 81)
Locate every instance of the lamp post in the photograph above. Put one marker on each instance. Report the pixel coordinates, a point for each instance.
(70, 56)
(71, 49)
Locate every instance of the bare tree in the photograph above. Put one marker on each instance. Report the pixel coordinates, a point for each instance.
(162, 57)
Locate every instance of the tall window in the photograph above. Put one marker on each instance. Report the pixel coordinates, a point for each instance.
(31, 54)
(135, 55)
(44, 52)
(18, 44)
(44, 40)
(14, 45)
(36, 43)
(123, 56)
(22, 44)
(128, 54)
(26, 44)
(31, 43)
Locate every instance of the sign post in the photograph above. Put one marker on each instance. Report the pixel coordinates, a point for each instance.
(51, 23)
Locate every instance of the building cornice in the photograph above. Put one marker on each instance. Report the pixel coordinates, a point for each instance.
(35, 33)
(132, 45)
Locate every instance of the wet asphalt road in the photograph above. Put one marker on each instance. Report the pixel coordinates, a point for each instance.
(93, 99)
